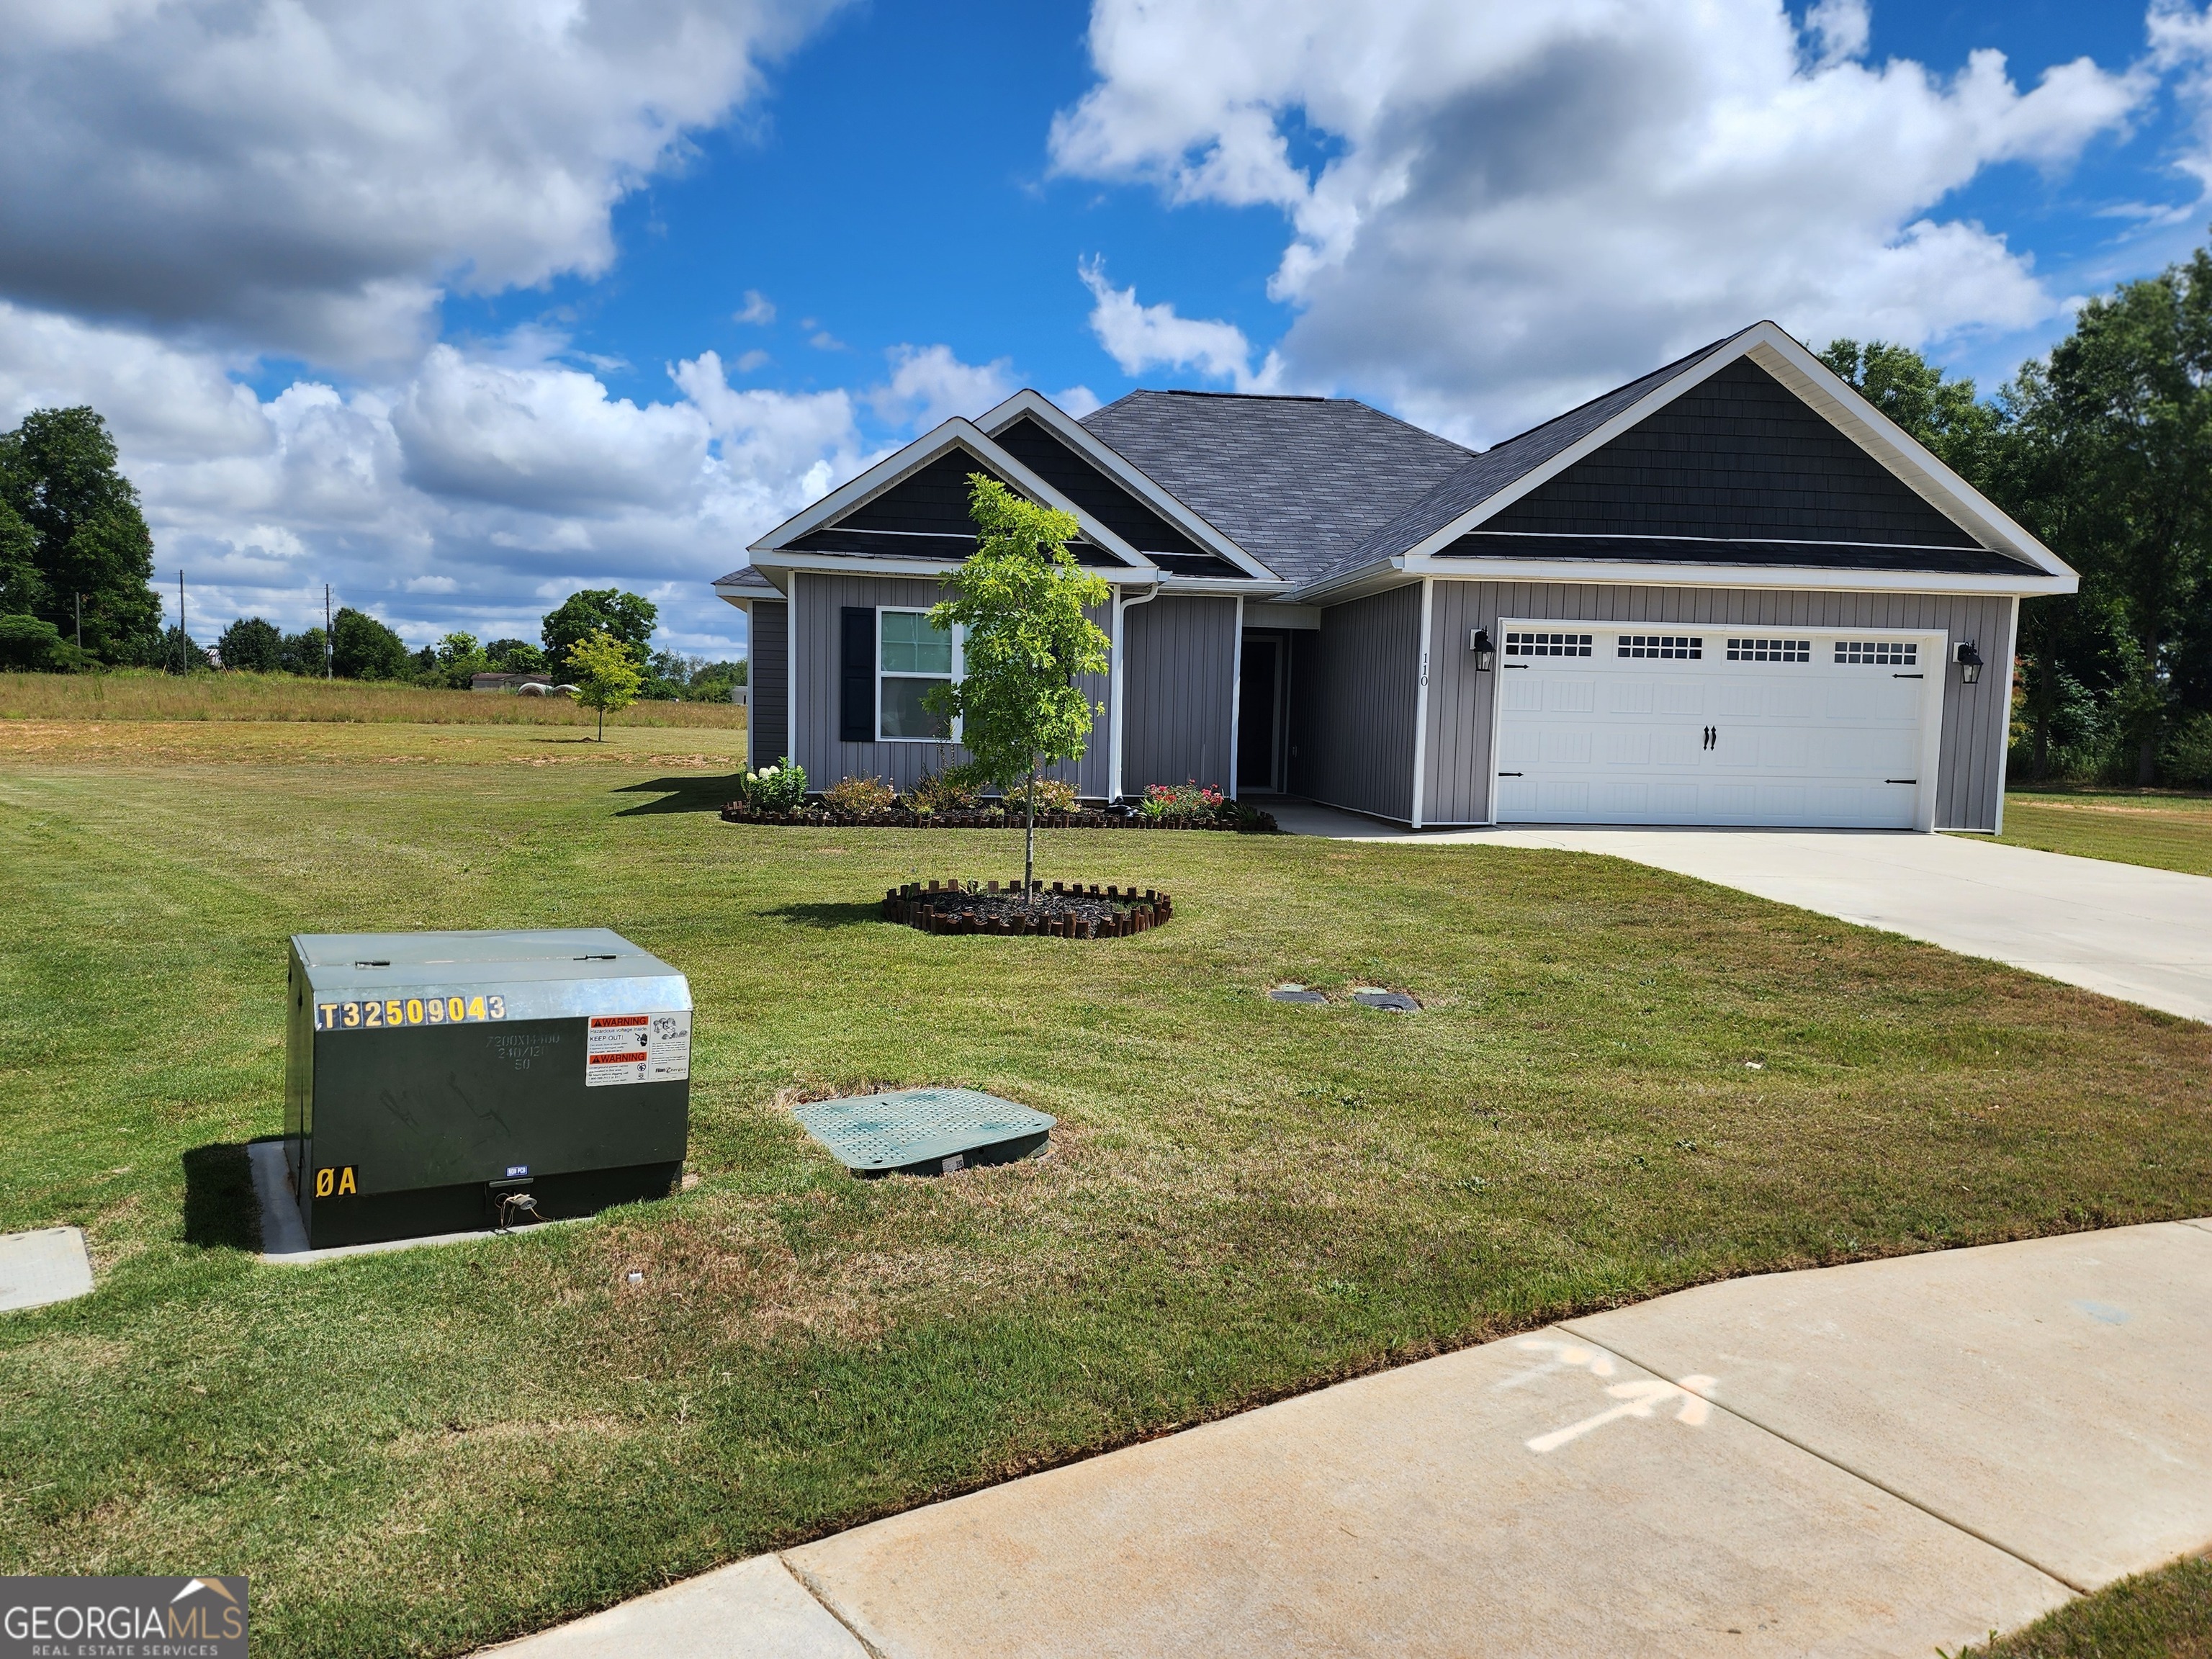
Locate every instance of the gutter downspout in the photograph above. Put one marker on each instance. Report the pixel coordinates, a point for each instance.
(1235, 695)
(1421, 701)
(1123, 605)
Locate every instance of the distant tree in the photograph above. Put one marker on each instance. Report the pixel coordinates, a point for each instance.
(21, 588)
(2117, 428)
(457, 660)
(606, 675)
(33, 643)
(628, 617)
(58, 476)
(514, 656)
(363, 648)
(253, 644)
(1945, 414)
(1019, 599)
(180, 654)
(304, 652)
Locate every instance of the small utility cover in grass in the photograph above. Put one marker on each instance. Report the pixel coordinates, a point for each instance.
(1297, 994)
(924, 1131)
(49, 1265)
(1391, 1002)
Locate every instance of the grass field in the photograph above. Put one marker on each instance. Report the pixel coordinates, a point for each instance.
(1623, 1083)
(2167, 1614)
(2167, 831)
(142, 695)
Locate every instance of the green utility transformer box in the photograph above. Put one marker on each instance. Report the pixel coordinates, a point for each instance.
(438, 1083)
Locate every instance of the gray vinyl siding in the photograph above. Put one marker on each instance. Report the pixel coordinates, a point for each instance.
(1354, 692)
(816, 603)
(1970, 784)
(768, 679)
(1178, 701)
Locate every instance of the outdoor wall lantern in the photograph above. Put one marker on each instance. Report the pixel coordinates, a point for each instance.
(1486, 654)
(1970, 662)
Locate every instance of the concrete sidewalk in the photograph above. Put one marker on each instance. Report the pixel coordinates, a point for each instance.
(1875, 1459)
(2140, 934)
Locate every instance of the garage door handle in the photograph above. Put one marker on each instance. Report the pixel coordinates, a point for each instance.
(1713, 737)
(1900, 780)
(1509, 775)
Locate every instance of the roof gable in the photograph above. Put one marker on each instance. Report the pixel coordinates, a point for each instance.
(1737, 455)
(1296, 481)
(1766, 416)
(913, 506)
(1027, 438)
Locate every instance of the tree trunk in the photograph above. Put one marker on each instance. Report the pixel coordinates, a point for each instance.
(1029, 845)
(603, 725)
(2147, 761)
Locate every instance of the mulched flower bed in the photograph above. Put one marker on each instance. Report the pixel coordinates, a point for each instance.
(899, 817)
(1059, 911)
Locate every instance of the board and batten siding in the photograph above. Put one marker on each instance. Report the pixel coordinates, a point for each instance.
(818, 602)
(1354, 691)
(768, 681)
(1179, 700)
(1970, 779)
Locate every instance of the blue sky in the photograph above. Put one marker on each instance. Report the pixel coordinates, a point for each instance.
(458, 317)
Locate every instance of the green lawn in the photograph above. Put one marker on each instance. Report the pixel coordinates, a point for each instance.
(2168, 831)
(2166, 1614)
(1623, 1081)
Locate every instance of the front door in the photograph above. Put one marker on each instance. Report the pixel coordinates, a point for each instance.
(1259, 716)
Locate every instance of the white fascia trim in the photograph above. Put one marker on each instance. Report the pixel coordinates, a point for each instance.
(1601, 573)
(954, 434)
(1226, 586)
(1824, 391)
(1112, 462)
(868, 564)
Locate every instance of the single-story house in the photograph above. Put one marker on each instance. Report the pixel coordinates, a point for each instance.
(1729, 593)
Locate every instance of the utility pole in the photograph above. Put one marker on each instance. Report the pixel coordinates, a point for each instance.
(80, 621)
(327, 630)
(184, 640)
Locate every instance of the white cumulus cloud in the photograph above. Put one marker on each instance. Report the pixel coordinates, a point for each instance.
(1139, 338)
(1496, 208)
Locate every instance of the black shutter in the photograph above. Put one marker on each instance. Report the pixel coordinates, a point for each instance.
(856, 676)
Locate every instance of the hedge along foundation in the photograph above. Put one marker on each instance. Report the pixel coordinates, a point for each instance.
(1060, 911)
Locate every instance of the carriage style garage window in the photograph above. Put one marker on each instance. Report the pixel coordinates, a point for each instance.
(1547, 645)
(1679, 646)
(911, 658)
(1771, 651)
(1884, 653)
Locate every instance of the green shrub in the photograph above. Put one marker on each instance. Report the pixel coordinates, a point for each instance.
(952, 790)
(859, 795)
(1053, 795)
(1182, 803)
(2187, 759)
(776, 788)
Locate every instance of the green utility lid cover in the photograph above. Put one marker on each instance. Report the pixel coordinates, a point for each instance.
(914, 1126)
(541, 973)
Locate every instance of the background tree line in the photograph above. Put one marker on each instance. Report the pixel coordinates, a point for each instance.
(2102, 450)
(76, 594)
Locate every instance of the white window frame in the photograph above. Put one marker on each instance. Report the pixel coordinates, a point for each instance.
(882, 673)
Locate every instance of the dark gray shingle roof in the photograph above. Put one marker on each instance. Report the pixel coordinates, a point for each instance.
(1297, 483)
(745, 576)
(1483, 477)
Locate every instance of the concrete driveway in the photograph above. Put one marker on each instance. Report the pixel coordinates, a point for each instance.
(2142, 935)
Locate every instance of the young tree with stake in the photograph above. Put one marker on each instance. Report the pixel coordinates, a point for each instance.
(1020, 601)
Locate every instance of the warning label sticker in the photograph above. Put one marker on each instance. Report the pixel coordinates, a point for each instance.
(638, 1048)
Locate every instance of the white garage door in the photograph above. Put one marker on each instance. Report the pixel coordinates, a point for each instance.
(1644, 723)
